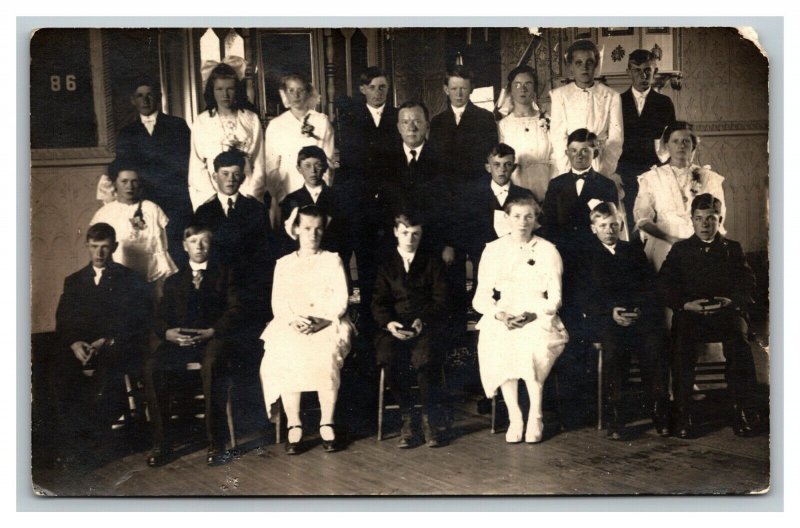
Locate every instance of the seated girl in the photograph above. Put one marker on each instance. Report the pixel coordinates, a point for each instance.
(521, 335)
(307, 341)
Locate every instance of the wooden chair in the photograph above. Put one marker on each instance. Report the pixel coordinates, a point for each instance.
(382, 406)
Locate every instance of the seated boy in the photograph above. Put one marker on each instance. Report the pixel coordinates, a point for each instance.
(709, 287)
(313, 164)
(409, 305)
(101, 323)
(196, 321)
(619, 301)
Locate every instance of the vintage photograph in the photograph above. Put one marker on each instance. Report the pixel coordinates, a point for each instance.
(407, 261)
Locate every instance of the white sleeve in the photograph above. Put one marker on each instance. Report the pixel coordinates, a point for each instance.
(559, 131)
(613, 147)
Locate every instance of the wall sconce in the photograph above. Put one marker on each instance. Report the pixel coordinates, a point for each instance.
(675, 79)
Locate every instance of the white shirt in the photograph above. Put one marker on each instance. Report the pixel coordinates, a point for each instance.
(376, 113)
(580, 181)
(198, 266)
(314, 191)
(417, 149)
(500, 192)
(459, 112)
(638, 98)
(223, 199)
(149, 122)
(407, 257)
(611, 249)
(98, 273)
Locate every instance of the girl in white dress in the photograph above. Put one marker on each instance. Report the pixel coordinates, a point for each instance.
(226, 124)
(521, 335)
(307, 341)
(298, 127)
(526, 130)
(662, 210)
(139, 224)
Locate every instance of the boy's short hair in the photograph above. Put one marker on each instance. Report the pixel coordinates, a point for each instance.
(373, 72)
(122, 164)
(674, 127)
(604, 210)
(196, 229)
(707, 201)
(410, 217)
(415, 104)
(311, 211)
(146, 80)
(582, 135)
(501, 150)
(313, 151)
(229, 158)
(641, 56)
(583, 45)
(458, 71)
(101, 231)
(524, 199)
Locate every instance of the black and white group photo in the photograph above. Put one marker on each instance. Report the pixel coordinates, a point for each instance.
(449, 261)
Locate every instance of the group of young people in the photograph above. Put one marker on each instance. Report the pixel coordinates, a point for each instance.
(214, 239)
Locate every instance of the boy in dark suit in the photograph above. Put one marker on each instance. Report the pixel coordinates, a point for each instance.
(645, 115)
(312, 164)
(197, 318)
(160, 144)
(463, 132)
(709, 287)
(103, 320)
(619, 300)
(409, 306)
(565, 222)
(482, 204)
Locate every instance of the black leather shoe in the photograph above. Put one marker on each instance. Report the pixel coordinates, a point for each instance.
(406, 433)
(293, 448)
(329, 445)
(431, 436)
(660, 414)
(745, 422)
(684, 428)
(158, 456)
(218, 456)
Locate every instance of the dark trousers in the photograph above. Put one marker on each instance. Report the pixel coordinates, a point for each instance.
(88, 405)
(215, 358)
(630, 172)
(648, 343)
(576, 370)
(407, 362)
(456, 276)
(729, 327)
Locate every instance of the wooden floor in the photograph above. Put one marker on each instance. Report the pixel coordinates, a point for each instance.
(475, 462)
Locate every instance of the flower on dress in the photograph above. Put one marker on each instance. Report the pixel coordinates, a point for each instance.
(308, 129)
(544, 120)
(699, 177)
(137, 221)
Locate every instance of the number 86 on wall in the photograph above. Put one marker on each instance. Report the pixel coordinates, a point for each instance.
(56, 84)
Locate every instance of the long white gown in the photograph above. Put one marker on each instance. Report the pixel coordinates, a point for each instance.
(528, 278)
(143, 250)
(530, 139)
(212, 135)
(295, 362)
(665, 198)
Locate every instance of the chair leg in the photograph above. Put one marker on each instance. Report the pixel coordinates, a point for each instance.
(599, 388)
(278, 423)
(381, 387)
(494, 413)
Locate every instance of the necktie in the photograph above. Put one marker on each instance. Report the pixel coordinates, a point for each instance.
(501, 196)
(412, 166)
(197, 278)
(407, 263)
(458, 118)
(149, 124)
(99, 277)
(230, 206)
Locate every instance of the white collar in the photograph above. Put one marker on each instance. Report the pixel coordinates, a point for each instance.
(592, 88)
(418, 150)
(611, 249)
(98, 271)
(458, 110)
(640, 95)
(581, 173)
(497, 189)
(376, 111)
(315, 191)
(406, 255)
(223, 199)
(151, 118)
(196, 267)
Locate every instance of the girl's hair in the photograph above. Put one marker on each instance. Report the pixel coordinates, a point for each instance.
(674, 127)
(299, 78)
(223, 71)
(522, 68)
(312, 211)
(122, 164)
(522, 200)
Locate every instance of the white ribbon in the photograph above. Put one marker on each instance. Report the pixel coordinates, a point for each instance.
(238, 64)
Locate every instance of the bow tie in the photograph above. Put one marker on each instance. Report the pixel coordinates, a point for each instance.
(580, 176)
(149, 119)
